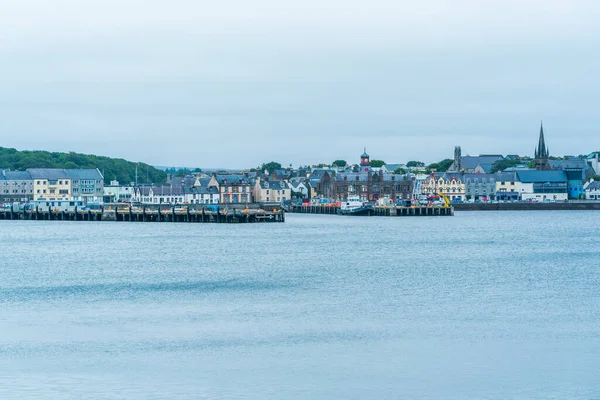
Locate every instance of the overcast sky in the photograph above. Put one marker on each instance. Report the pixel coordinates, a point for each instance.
(237, 83)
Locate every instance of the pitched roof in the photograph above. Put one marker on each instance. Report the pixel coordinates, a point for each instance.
(593, 186)
(393, 167)
(16, 176)
(232, 179)
(479, 177)
(48, 173)
(534, 176)
(574, 162)
(273, 184)
(84, 174)
(486, 162)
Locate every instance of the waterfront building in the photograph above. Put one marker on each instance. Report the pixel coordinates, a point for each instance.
(418, 180)
(320, 182)
(450, 184)
(163, 194)
(507, 186)
(480, 186)
(266, 190)
(371, 185)
(578, 172)
(542, 185)
(201, 195)
(50, 184)
(299, 187)
(542, 153)
(592, 190)
(15, 186)
(86, 184)
(233, 188)
(115, 193)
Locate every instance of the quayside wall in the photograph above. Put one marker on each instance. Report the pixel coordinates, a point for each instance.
(526, 206)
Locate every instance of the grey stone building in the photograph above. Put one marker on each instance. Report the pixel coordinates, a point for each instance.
(86, 184)
(15, 186)
(480, 186)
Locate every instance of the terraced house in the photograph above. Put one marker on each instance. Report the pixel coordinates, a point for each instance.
(448, 183)
(86, 184)
(233, 188)
(15, 186)
(50, 184)
(271, 191)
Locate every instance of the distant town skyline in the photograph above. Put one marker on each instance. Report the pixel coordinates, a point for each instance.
(234, 84)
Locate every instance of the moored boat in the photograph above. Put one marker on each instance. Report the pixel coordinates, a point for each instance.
(355, 206)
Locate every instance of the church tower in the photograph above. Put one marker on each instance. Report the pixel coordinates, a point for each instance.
(458, 159)
(365, 162)
(542, 153)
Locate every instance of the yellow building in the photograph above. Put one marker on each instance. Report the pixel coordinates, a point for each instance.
(448, 183)
(271, 191)
(50, 184)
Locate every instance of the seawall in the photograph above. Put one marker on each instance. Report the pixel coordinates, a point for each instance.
(526, 206)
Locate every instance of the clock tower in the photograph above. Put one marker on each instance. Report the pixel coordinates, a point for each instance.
(365, 163)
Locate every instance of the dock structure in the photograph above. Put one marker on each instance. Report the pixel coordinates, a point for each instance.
(152, 213)
(379, 211)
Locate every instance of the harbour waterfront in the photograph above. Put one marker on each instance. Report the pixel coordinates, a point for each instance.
(482, 305)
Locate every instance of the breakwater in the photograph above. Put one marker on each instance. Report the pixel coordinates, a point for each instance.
(575, 205)
(150, 213)
(379, 211)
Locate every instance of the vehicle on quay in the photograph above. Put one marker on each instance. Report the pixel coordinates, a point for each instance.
(354, 205)
(55, 205)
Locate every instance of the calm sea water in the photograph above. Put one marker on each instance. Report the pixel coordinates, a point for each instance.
(483, 305)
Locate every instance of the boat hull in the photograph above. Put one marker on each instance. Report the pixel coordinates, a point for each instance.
(359, 211)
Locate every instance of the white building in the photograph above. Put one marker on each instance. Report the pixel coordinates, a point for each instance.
(592, 190)
(116, 193)
(543, 185)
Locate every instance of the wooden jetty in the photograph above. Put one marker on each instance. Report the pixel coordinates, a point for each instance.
(379, 211)
(151, 213)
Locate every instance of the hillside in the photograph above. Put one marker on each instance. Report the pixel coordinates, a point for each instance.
(112, 168)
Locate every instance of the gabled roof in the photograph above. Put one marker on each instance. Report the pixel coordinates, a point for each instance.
(486, 162)
(393, 167)
(574, 162)
(16, 176)
(84, 174)
(201, 190)
(506, 176)
(273, 184)
(534, 176)
(593, 186)
(232, 179)
(317, 174)
(48, 173)
(449, 175)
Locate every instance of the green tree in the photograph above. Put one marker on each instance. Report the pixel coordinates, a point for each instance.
(400, 171)
(339, 163)
(271, 166)
(412, 164)
(112, 168)
(377, 163)
(441, 166)
(501, 165)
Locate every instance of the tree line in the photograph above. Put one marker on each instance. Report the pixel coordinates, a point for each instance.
(112, 168)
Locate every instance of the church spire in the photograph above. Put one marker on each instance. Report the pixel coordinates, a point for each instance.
(542, 153)
(542, 150)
